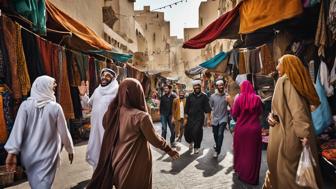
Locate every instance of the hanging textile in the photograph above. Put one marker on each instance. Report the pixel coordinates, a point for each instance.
(63, 90)
(324, 79)
(214, 30)
(268, 65)
(22, 64)
(255, 62)
(321, 32)
(10, 36)
(45, 54)
(77, 107)
(322, 115)
(241, 63)
(256, 14)
(3, 128)
(8, 109)
(93, 79)
(82, 63)
(4, 59)
(73, 69)
(35, 11)
(32, 54)
(331, 21)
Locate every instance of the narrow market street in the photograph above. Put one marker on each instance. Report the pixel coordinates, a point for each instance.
(190, 171)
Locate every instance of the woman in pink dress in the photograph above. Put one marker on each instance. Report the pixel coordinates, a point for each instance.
(247, 143)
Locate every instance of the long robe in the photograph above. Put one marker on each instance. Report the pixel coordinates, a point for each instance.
(284, 147)
(247, 144)
(38, 135)
(133, 159)
(196, 106)
(99, 102)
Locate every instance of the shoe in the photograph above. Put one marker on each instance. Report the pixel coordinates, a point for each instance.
(173, 145)
(179, 140)
(196, 151)
(191, 146)
(215, 155)
(214, 147)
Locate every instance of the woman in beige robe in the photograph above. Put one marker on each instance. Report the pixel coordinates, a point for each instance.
(125, 160)
(291, 124)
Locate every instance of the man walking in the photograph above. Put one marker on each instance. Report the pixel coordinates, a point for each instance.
(219, 116)
(103, 95)
(178, 115)
(166, 104)
(197, 104)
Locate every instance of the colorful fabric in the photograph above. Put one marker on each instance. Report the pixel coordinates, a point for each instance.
(10, 36)
(329, 154)
(321, 32)
(22, 64)
(213, 63)
(35, 11)
(300, 78)
(8, 109)
(256, 14)
(331, 21)
(3, 128)
(213, 31)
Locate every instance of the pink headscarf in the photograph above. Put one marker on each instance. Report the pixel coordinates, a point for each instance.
(248, 98)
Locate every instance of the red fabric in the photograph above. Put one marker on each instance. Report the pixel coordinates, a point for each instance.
(213, 31)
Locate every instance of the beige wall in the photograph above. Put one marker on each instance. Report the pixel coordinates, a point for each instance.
(88, 12)
(157, 33)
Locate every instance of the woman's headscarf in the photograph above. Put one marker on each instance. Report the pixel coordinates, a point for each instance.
(130, 95)
(299, 77)
(248, 98)
(42, 91)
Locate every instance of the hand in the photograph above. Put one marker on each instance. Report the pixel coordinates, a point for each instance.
(209, 123)
(173, 120)
(83, 88)
(304, 141)
(174, 154)
(185, 122)
(11, 162)
(271, 121)
(71, 157)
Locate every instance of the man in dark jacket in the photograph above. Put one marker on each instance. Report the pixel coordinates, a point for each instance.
(166, 104)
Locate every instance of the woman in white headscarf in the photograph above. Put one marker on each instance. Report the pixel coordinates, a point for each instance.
(39, 131)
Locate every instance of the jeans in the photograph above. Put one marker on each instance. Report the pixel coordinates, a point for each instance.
(164, 121)
(218, 132)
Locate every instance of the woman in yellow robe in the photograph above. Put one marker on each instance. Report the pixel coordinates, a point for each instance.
(291, 124)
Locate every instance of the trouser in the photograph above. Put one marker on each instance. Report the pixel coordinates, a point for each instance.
(179, 128)
(194, 132)
(218, 132)
(166, 120)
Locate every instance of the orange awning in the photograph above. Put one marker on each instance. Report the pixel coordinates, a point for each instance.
(79, 30)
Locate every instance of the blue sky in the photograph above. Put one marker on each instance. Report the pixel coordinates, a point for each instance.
(183, 15)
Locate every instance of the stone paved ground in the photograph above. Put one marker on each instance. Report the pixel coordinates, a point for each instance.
(189, 172)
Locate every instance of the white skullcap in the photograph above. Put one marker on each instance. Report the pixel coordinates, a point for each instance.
(219, 82)
(196, 82)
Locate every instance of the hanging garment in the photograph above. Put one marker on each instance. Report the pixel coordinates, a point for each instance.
(4, 59)
(73, 69)
(241, 63)
(10, 36)
(8, 109)
(32, 54)
(324, 76)
(93, 78)
(256, 14)
(22, 64)
(77, 107)
(255, 60)
(35, 11)
(321, 32)
(3, 128)
(321, 117)
(268, 65)
(64, 93)
(82, 63)
(234, 57)
(45, 54)
(331, 21)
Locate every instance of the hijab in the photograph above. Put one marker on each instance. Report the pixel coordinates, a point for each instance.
(299, 77)
(130, 95)
(42, 91)
(248, 98)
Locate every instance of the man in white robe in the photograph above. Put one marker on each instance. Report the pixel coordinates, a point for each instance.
(103, 95)
(39, 131)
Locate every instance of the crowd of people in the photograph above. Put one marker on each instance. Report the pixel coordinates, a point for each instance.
(119, 150)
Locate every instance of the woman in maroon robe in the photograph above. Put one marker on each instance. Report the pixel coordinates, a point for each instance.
(125, 160)
(247, 109)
